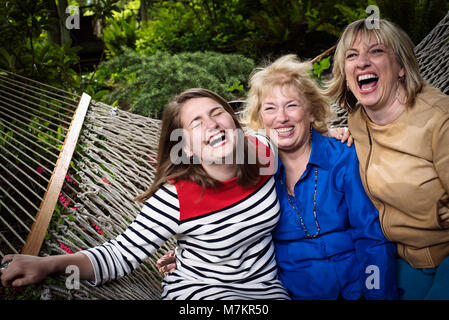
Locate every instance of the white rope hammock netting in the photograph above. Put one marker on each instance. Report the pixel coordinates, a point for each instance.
(114, 160)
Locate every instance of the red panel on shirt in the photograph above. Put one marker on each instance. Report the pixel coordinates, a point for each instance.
(192, 204)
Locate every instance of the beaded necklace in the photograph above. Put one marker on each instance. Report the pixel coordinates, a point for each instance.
(314, 210)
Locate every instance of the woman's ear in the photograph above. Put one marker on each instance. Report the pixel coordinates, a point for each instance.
(402, 73)
(311, 118)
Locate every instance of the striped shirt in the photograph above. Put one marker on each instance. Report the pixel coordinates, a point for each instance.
(224, 242)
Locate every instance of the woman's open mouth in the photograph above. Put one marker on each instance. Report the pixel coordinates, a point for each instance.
(367, 83)
(284, 132)
(217, 140)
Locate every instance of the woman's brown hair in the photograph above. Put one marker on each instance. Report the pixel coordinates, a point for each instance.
(167, 171)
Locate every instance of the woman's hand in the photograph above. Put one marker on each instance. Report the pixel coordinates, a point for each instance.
(341, 134)
(167, 263)
(23, 270)
(443, 213)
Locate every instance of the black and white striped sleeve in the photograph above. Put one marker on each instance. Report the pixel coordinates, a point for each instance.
(156, 223)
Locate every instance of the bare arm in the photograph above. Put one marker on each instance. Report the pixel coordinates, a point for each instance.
(25, 270)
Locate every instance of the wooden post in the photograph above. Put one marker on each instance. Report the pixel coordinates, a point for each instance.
(324, 54)
(48, 204)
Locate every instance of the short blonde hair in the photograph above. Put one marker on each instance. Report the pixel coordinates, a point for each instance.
(390, 36)
(286, 71)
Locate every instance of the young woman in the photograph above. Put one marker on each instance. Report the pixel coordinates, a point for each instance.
(222, 213)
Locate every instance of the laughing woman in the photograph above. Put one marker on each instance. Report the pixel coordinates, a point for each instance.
(400, 127)
(328, 240)
(221, 212)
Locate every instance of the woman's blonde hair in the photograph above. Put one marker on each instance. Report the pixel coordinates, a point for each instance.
(287, 71)
(390, 36)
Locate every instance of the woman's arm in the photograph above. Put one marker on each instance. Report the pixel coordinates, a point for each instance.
(440, 143)
(156, 223)
(24, 270)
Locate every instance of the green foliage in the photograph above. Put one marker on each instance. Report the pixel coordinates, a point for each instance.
(30, 292)
(332, 18)
(25, 48)
(319, 67)
(256, 29)
(416, 17)
(118, 34)
(177, 26)
(147, 83)
(121, 31)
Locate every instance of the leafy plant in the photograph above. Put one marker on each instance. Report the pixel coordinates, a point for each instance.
(121, 31)
(147, 83)
(26, 48)
(319, 67)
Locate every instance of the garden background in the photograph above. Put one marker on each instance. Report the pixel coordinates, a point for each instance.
(137, 54)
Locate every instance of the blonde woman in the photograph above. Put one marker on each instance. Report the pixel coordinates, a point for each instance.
(328, 237)
(400, 127)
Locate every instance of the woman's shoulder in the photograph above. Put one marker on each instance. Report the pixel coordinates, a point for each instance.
(334, 155)
(259, 137)
(167, 192)
(163, 202)
(335, 149)
(432, 99)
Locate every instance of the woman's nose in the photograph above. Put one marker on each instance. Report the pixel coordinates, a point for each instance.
(282, 115)
(211, 123)
(363, 60)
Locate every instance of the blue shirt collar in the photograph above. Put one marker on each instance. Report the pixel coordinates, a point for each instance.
(318, 155)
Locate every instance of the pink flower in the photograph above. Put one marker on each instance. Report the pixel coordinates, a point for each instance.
(40, 170)
(106, 180)
(69, 178)
(65, 248)
(97, 228)
(63, 199)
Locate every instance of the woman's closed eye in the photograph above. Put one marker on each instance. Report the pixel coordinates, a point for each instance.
(268, 108)
(217, 113)
(351, 55)
(377, 51)
(195, 123)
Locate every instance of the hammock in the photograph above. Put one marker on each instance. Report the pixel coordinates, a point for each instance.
(78, 164)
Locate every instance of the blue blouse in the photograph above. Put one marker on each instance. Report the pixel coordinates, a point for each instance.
(350, 256)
